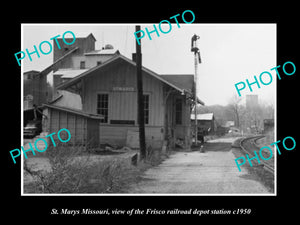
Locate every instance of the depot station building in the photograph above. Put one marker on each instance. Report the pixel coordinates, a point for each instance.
(94, 96)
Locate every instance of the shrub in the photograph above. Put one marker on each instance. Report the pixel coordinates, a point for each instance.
(73, 171)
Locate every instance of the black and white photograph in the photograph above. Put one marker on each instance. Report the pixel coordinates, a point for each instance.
(150, 109)
(114, 113)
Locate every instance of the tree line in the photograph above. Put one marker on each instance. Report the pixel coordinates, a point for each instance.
(246, 119)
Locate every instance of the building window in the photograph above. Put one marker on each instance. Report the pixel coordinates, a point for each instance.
(82, 64)
(146, 108)
(178, 111)
(102, 106)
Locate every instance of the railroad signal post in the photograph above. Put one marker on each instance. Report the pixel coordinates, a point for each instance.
(197, 60)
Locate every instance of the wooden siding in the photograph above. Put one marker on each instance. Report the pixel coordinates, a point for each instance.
(118, 80)
(123, 104)
(84, 131)
(178, 131)
(74, 123)
(117, 135)
(93, 132)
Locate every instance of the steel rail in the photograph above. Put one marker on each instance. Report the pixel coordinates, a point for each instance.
(252, 140)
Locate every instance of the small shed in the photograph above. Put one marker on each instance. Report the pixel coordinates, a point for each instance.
(268, 125)
(206, 122)
(84, 127)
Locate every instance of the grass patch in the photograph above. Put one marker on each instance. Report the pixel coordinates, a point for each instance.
(74, 170)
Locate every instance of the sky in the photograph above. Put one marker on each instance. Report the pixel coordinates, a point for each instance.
(230, 53)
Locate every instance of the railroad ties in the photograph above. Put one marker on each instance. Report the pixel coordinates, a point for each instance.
(249, 145)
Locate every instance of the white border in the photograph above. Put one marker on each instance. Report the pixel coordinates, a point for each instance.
(157, 194)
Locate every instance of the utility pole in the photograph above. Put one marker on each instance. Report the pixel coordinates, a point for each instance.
(140, 99)
(195, 49)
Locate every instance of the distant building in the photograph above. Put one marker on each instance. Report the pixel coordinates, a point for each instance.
(225, 127)
(206, 123)
(96, 98)
(83, 45)
(81, 60)
(68, 62)
(268, 125)
(35, 89)
(251, 102)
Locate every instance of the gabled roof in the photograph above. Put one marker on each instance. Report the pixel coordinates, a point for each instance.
(203, 116)
(182, 83)
(102, 52)
(31, 72)
(82, 35)
(115, 58)
(92, 36)
(74, 111)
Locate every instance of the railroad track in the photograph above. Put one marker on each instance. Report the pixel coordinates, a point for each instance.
(249, 145)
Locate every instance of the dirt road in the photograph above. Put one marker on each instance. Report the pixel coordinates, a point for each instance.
(211, 172)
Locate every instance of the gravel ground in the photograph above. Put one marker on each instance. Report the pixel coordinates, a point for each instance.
(212, 172)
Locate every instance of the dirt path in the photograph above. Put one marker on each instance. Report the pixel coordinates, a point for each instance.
(211, 172)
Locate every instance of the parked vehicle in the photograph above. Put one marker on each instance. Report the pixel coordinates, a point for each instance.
(33, 128)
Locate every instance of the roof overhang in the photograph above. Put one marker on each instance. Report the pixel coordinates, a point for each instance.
(203, 116)
(78, 79)
(74, 111)
(115, 58)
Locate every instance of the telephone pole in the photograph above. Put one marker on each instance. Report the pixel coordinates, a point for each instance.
(140, 98)
(197, 60)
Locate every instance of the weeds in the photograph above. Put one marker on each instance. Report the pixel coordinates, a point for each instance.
(74, 170)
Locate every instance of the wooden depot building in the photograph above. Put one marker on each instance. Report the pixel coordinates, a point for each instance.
(108, 95)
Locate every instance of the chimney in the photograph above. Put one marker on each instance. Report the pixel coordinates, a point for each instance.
(134, 57)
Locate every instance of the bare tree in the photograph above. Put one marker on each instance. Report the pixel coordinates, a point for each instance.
(267, 109)
(234, 107)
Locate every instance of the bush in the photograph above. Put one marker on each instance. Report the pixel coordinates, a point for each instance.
(73, 171)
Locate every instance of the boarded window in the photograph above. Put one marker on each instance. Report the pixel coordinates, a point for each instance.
(102, 106)
(178, 111)
(127, 122)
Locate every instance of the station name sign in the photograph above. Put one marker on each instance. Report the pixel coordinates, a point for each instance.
(123, 88)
